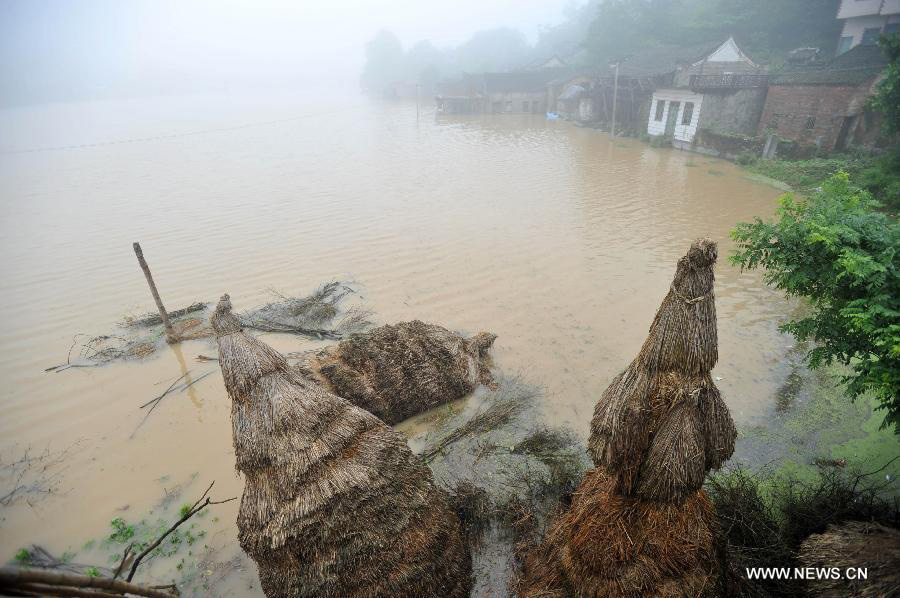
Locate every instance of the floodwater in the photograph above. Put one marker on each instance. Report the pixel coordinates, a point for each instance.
(554, 237)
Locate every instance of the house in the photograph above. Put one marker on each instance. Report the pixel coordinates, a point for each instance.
(570, 97)
(588, 96)
(722, 93)
(865, 21)
(823, 106)
(550, 62)
(498, 93)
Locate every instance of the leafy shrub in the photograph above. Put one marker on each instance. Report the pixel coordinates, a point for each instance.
(843, 255)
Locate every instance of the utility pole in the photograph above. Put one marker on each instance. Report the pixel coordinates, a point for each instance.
(171, 337)
(417, 103)
(612, 129)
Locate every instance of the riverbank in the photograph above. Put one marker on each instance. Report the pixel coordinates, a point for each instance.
(877, 174)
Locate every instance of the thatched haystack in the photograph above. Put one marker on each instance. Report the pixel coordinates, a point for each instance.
(335, 503)
(400, 370)
(607, 544)
(662, 424)
(639, 523)
(854, 545)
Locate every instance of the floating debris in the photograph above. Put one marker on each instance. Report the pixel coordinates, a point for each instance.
(313, 316)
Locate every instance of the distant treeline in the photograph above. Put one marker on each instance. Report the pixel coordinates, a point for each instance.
(600, 31)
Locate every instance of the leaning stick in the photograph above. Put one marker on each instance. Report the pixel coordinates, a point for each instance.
(171, 337)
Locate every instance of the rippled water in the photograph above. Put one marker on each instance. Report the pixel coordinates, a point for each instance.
(555, 238)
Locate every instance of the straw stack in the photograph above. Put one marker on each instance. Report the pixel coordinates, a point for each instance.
(335, 503)
(639, 523)
(400, 370)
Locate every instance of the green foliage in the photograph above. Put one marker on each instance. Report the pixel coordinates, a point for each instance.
(802, 175)
(881, 177)
(92, 572)
(764, 28)
(841, 254)
(23, 557)
(745, 158)
(887, 93)
(122, 531)
(185, 509)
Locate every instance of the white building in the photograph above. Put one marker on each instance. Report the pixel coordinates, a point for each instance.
(724, 91)
(866, 20)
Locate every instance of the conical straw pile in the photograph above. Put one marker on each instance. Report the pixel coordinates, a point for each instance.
(334, 503)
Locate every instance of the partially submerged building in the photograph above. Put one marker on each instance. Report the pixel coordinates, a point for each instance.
(723, 92)
(822, 106)
(865, 21)
(517, 92)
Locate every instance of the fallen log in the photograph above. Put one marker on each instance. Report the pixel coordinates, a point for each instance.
(42, 581)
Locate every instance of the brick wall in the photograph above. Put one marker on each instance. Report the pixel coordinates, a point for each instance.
(788, 108)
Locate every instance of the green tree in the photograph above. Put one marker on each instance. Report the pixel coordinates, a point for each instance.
(887, 93)
(843, 255)
(764, 28)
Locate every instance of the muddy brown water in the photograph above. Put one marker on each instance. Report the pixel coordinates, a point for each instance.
(554, 237)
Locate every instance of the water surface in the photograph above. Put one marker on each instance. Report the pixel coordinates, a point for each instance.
(554, 237)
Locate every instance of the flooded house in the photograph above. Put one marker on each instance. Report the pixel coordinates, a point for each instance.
(516, 92)
(722, 93)
(822, 106)
(864, 21)
(588, 97)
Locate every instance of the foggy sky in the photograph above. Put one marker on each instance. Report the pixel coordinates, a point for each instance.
(56, 50)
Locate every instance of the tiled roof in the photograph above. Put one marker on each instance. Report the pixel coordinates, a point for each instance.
(854, 67)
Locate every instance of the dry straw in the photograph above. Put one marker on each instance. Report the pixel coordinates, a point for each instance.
(639, 524)
(662, 424)
(852, 546)
(334, 503)
(400, 370)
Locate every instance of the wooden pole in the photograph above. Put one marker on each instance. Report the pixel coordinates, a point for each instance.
(171, 337)
(612, 129)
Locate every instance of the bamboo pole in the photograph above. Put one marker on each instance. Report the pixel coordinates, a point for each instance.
(171, 337)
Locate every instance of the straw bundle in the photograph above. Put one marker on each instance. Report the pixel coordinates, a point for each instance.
(662, 424)
(400, 370)
(334, 503)
(639, 524)
(852, 545)
(607, 544)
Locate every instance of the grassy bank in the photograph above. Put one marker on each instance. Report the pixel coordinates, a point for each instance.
(878, 174)
(820, 459)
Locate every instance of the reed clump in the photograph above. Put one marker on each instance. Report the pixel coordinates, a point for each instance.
(400, 370)
(335, 503)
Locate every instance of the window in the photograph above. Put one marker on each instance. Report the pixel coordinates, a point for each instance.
(810, 122)
(891, 28)
(660, 107)
(870, 36)
(688, 113)
(844, 44)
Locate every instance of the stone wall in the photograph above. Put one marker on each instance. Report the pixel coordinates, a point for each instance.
(811, 114)
(733, 110)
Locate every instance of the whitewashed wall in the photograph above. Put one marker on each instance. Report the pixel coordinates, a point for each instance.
(682, 132)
